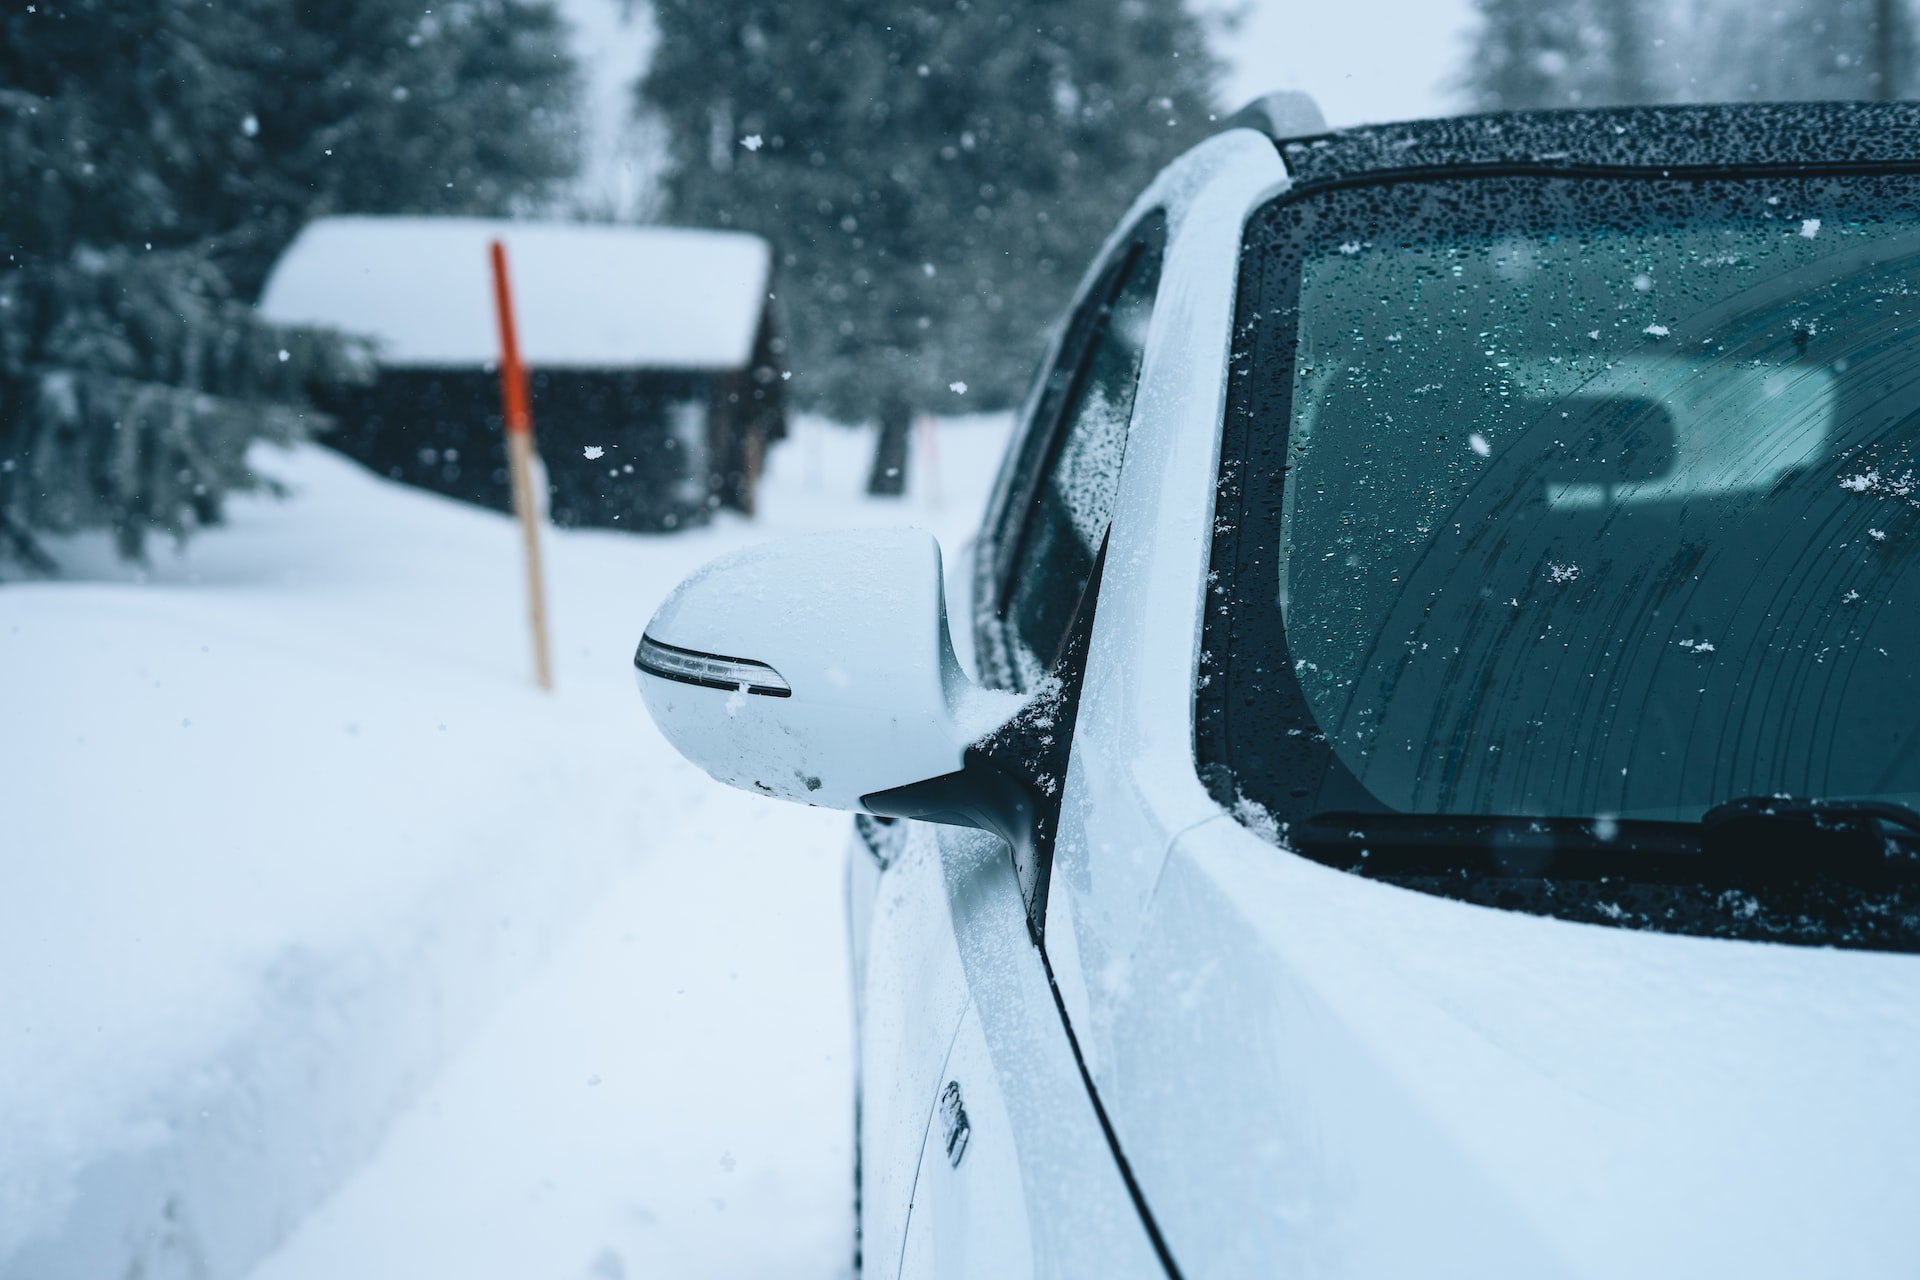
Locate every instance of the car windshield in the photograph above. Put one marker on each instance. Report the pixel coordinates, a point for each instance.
(1572, 496)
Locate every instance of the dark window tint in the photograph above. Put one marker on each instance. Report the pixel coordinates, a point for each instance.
(1072, 504)
(1569, 497)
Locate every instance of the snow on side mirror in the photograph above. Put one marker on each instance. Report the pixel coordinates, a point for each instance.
(818, 669)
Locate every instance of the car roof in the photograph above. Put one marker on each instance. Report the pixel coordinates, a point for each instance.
(1695, 139)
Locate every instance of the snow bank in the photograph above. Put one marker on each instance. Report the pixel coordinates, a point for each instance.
(585, 295)
(670, 1096)
(285, 820)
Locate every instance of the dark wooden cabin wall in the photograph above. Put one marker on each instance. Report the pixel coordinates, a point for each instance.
(749, 413)
(440, 429)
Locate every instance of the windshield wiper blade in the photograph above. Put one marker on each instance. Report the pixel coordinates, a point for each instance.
(1758, 838)
(1779, 835)
(1801, 809)
(1416, 844)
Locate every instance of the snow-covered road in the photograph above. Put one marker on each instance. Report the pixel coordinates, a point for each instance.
(670, 1096)
(297, 851)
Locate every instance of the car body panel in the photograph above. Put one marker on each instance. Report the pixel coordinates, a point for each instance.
(1036, 1191)
(1132, 785)
(968, 1215)
(953, 992)
(1404, 1084)
(911, 993)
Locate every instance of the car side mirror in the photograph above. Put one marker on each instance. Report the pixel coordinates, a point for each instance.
(817, 669)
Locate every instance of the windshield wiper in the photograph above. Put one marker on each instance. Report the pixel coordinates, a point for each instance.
(1757, 838)
(1796, 809)
(1854, 839)
(1423, 844)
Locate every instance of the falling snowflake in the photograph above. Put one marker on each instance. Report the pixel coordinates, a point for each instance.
(1562, 572)
(1478, 443)
(592, 451)
(958, 388)
(1696, 646)
(751, 142)
(1656, 331)
(1809, 227)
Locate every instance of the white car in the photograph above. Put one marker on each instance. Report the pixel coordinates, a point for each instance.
(1437, 797)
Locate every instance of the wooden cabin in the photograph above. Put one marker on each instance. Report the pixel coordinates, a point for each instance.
(655, 363)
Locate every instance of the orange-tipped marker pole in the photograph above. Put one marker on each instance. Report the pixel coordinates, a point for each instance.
(519, 424)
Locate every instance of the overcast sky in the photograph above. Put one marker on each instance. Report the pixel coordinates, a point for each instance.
(1364, 60)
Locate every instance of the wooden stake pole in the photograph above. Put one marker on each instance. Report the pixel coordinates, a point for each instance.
(520, 462)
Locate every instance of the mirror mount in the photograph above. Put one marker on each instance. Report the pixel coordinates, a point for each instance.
(985, 796)
(1005, 786)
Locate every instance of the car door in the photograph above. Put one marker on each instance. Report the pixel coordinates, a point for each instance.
(1015, 1175)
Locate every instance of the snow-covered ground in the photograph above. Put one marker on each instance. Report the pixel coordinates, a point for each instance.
(289, 827)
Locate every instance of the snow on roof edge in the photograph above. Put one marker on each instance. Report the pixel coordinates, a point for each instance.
(586, 295)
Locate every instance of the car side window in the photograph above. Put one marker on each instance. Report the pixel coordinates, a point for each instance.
(1070, 504)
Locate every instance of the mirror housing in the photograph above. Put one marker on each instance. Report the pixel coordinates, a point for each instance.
(818, 669)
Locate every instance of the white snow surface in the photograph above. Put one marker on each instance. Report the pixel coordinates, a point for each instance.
(585, 295)
(288, 826)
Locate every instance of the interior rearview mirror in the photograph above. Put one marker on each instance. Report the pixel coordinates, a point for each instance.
(1610, 440)
(818, 669)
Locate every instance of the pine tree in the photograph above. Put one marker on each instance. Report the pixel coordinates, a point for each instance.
(154, 158)
(1626, 39)
(934, 175)
(1544, 53)
(1890, 40)
(367, 106)
(1528, 53)
(1803, 49)
(1564, 53)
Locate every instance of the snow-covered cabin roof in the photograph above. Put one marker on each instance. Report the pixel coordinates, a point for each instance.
(585, 295)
